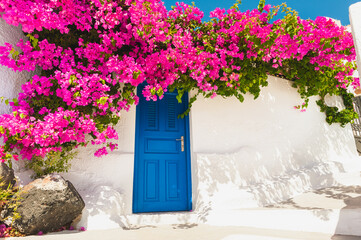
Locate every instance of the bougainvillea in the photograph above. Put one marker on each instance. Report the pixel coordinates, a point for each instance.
(94, 53)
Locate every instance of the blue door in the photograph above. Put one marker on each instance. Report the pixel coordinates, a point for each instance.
(162, 179)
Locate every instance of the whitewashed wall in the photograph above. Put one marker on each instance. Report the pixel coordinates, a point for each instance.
(263, 151)
(243, 154)
(10, 81)
(355, 21)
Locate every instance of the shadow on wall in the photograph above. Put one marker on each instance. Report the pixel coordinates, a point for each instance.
(104, 204)
(350, 216)
(263, 151)
(105, 185)
(99, 201)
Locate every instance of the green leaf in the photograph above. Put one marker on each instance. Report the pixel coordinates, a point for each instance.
(113, 42)
(102, 100)
(136, 74)
(228, 70)
(160, 92)
(16, 101)
(72, 78)
(179, 97)
(261, 5)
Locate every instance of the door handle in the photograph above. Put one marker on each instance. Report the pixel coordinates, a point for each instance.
(182, 142)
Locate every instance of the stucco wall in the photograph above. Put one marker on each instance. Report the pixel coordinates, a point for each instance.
(106, 184)
(263, 151)
(355, 21)
(243, 154)
(10, 81)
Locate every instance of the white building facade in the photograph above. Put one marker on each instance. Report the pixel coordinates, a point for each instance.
(242, 155)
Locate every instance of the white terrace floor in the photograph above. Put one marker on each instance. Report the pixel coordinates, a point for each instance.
(199, 232)
(330, 213)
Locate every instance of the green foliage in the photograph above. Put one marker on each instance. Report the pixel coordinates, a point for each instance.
(254, 71)
(238, 77)
(261, 5)
(322, 83)
(333, 114)
(7, 101)
(54, 162)
(253, 74)
(10, 199)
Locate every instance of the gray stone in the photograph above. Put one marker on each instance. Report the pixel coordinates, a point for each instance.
(47, 204)
(6, 175)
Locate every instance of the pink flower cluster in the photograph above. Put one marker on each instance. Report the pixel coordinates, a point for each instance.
(48, 14)
(138, 41)
(4, 231)
(39, 137)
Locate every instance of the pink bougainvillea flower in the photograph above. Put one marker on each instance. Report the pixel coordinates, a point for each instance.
(267, 7)
(114, 46)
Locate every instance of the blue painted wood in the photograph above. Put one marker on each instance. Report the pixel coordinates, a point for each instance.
(162, 176)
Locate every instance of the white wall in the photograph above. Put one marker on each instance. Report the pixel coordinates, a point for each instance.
(243, 154)
(106, 184)
(355, 20)
(263, 151)
(10, 81)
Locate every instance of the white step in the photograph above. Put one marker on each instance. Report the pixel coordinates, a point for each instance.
(346, 222)
(335, 210)
(134, 221)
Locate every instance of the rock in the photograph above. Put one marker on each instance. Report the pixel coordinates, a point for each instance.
(6, 175)
(47, 204)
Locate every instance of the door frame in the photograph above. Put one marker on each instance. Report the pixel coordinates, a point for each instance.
(187, 146)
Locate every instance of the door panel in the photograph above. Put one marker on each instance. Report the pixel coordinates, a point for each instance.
(161, 145)
(151, 178)
(162, 179)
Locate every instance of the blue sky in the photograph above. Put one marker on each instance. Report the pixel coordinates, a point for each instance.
(307, 9)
